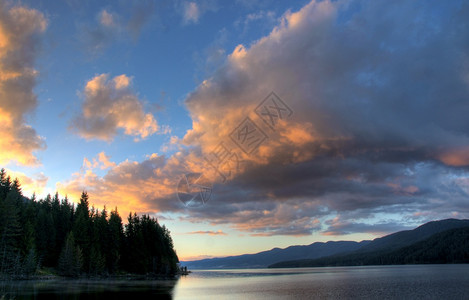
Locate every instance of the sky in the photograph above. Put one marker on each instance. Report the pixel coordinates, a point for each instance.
(242, 125)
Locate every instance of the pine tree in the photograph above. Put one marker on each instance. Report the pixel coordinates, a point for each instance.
(82, 228)
(5, 184)
(97, 262)
(60, 234)
(71, 258)
(116, 233)
(53, 233)
(45, 236)
(30, 263)
(10, 234)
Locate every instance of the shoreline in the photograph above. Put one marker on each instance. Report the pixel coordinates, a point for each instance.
(129, 277)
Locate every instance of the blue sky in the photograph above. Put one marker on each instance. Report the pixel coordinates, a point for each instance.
(122, 99)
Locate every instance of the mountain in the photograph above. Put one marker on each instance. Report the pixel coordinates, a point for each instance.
(336, 253)
(445, 241)
(266, 258)
(407, 237)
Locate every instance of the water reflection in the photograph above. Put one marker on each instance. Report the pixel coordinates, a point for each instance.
(369, 282)
(87, 289)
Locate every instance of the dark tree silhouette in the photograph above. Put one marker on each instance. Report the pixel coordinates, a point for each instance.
(77, 241)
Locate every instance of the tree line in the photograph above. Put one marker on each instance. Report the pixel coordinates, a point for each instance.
(77, 240)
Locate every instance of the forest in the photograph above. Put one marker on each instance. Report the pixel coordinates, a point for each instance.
(54, 236)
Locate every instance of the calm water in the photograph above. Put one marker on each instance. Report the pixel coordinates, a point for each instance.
(374, 282)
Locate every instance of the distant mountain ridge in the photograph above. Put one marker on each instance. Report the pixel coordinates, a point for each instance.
(266, 258)
(445, 241)
(327, 253)
(407, 237)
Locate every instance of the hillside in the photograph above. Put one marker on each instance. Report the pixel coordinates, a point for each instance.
(407, 237)
(266, 258)
(443, 246)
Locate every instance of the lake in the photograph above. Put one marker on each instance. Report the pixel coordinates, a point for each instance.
(370, 282)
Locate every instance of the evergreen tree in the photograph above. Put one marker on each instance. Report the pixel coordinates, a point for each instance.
(30, 263)
(97, 264)
(82, 228)
(52, 233)
(60, 234)
(5, 184)
(71, 258)
(99, 241)
(45, 236)
(116, 236)
(10, 234)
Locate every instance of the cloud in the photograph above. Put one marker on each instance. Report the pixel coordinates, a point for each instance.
(29, 185)
(110, 26)
(141, 15)
(110, 105)
(209, 232)
(359, 120)
(20, 39)
(98, 37)
(264, 19)
(107, 19)
(102, 161)
(338, 227)
(212, 57)
(129, 185)
(192, 11)
(377, 130)
(196, 257)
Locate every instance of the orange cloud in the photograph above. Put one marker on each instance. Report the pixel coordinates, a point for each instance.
(196, 257)
(102, 161)
(350, 130)
(19, 28)
(208, 232)
(458, 157)
(129, 185)
(110, 105)
(30, 185)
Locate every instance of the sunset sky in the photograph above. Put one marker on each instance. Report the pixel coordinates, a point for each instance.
(359, 112)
